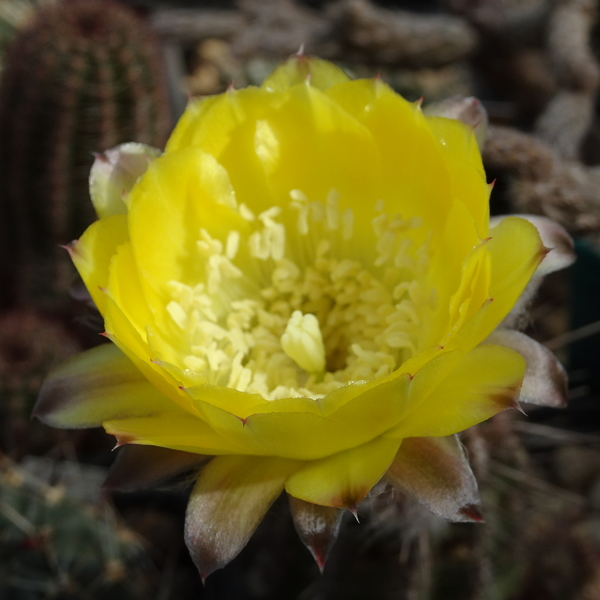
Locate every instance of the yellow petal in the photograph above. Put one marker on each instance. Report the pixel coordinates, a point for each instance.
(173, 429)
(320, 73)
(229, 500)
(447, 269)
(225, 127)
(142, 309)
(310, 436)
(463, 160)
(313, 146)
(472, 293)
(482, 383)
(125, 288)
(516, 251)
(93, 252)
(343, 480)
(556, 238)
(125, 336)
(407, 149)
(179, 193)
(183, 135)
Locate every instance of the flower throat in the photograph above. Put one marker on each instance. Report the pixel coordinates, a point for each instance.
(289, 311)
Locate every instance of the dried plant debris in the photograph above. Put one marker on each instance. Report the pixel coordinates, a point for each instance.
(569, 115)
(514, 19)
(542, 183)
(278, 28)
(345, 30)
(401, 37)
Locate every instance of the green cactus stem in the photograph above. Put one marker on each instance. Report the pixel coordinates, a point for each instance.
(82, 77)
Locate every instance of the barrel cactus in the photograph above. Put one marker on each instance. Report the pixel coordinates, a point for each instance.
(81, 77)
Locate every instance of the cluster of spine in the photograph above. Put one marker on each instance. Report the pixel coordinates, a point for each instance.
(55, 546)
(82, 77)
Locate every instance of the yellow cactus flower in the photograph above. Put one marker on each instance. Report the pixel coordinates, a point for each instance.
(300, 293)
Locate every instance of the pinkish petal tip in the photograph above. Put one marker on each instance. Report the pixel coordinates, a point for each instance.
(300, 53)
(100, 156)
(70, 248)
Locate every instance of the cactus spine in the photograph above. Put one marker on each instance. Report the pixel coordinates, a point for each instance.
(84, 76)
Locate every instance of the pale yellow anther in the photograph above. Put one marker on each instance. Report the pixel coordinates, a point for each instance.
(302, 341)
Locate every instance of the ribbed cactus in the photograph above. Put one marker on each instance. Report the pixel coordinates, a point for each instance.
(54, 544)
(83, 76)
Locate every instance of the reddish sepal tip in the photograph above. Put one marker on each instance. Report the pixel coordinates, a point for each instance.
(122, 440)
(516, 405)
(320, 559)
(354, 511)
(99, 156)
(471, 512)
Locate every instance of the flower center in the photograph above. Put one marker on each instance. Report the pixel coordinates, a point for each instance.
(307, 302)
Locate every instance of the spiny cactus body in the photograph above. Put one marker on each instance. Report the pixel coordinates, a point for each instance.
(53, 545)
(83, 76)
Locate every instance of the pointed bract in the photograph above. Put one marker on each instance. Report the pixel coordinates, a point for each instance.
(94, 386)
(229, 500)
(545, 380)
(115, 172)
(138, 467)
(436, 471)
(469, 110)
(317, 526)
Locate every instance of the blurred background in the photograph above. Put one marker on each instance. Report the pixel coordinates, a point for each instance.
(81, 76)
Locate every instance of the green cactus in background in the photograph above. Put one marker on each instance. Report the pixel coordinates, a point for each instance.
(58, 542)
(13, 15)
(81, 77)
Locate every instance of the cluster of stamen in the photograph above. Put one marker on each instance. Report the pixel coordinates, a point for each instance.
(293, 310)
